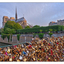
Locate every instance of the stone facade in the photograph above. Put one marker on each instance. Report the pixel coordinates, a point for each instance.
(22, 21)
(59, 22)
(5, 19)
(52, 23)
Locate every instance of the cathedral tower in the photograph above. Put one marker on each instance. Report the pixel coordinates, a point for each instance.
(16, 14)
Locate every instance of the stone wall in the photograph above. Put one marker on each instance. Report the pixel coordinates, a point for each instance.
(55, 35)
(25, 38)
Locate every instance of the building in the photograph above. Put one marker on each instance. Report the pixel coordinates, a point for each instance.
(22, 21)
(52, 23)
(60, 22)
(5, 19)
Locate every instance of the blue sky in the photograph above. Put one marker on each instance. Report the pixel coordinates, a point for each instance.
(35, 13)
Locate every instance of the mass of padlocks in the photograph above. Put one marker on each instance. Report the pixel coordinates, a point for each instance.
(38, 50)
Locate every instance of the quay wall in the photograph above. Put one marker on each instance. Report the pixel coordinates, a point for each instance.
(25, 38)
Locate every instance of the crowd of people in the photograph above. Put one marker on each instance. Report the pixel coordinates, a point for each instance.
(39, 50)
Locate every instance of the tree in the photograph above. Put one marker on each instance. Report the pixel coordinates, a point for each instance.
(45, 30)
(35, 30)
(9, 24)
(9, 31)
(63, 29)
(59, 28)
(1, 31)
(55, 30)
(50, 30)
(50, 34)
(41, 31)
(12, 25)
(27, 27)
(8, 36)
(41, 35)
(18, 36)
(36, 26)
(3, 36)
(17, 26)
(11, 37)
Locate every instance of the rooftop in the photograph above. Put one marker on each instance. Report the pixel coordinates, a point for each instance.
(20, 19)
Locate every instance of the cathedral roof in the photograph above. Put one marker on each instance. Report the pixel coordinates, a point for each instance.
(20, 19)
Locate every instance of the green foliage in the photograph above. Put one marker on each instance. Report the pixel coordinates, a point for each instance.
(50, 30)
(41, 31)
(41, 35)
(9, 24)
(17, 26)
(18, 36)
(55, 30)
(3, 36)
(45, 30)
(62, 28)
(36, 26)
(37, 30)
(27, 27)
(8, 36)
(11, 37)
(13, 31)
(59, 28)
(12, 25)
(1, 31)
(9, 31)
(50, 34)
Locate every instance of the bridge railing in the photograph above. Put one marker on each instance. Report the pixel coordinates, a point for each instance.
(12, 45)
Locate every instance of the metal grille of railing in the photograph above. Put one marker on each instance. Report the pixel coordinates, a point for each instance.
(12, 44)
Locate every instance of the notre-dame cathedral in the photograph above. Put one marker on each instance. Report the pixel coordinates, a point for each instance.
(22, 21)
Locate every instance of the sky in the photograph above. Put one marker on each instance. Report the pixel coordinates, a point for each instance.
(36, 13)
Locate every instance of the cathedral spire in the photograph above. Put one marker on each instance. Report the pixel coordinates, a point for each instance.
(16, 14)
